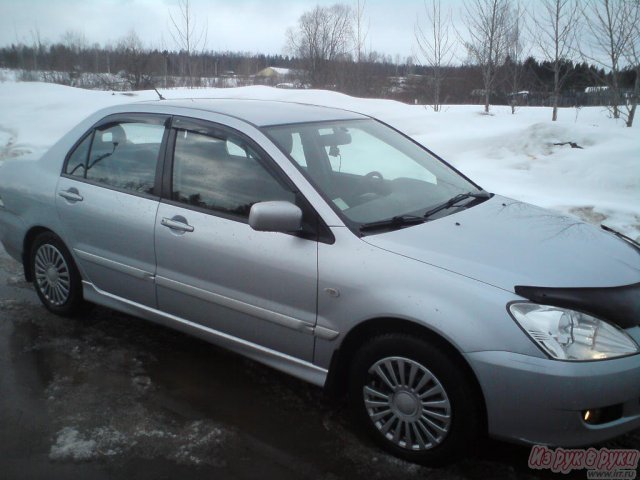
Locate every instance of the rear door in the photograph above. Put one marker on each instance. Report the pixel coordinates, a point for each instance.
(107, 199)
(213, 268)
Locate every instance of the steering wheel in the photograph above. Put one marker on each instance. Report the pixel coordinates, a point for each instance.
(374, 175)
(375, 182)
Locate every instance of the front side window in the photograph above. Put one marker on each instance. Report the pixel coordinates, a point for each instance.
(221, 174)
(122, 155)
(370, 172)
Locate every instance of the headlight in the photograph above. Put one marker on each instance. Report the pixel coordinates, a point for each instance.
(569, 335)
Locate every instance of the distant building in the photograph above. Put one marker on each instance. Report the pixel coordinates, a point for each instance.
(275, 72)
(277, 76)
(520, 97)
(595, 89)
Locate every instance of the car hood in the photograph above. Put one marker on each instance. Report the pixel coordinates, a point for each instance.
(505, 243)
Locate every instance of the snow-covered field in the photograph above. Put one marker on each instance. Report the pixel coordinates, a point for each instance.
(508, 154)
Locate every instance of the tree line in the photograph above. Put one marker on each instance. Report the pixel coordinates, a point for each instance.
(144, 68)
(565, 53)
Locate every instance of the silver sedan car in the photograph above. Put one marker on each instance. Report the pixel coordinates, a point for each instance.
(330, 246)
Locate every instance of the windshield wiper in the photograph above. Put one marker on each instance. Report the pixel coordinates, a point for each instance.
(398, 221)
(452, 202)
(620, 235)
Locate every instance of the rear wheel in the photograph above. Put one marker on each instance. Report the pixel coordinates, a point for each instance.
(55, 275)
(414, 399)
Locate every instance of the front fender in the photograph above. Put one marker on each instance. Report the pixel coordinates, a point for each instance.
(359, 282)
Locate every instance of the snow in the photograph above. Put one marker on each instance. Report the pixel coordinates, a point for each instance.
(102, 401)
(513, 155)
(195, 444)
(71, 446)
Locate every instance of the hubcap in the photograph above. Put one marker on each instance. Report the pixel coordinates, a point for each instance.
(52, 274)
(407, 403)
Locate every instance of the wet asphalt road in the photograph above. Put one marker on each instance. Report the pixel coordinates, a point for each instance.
(108, 396)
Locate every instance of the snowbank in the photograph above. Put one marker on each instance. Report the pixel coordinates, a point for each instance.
(508, 154)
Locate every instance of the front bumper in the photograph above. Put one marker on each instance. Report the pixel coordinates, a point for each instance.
(540, 401)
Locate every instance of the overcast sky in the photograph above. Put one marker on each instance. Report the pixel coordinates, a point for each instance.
(256, 26)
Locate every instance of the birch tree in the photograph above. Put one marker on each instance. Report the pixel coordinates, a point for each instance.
(360, 30)
(189, 36)
(516, 53)
(435, 46)
(611, 24)
(632, 56)
(486, 22)
(358, 74)
(556, 26)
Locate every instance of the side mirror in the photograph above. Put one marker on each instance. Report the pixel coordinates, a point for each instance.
(275, 216)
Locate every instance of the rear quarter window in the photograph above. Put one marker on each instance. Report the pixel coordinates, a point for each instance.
(77, 162)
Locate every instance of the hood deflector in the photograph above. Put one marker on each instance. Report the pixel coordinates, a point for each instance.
(618, 305)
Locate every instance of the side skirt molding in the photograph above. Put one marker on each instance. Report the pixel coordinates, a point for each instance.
(285, 363)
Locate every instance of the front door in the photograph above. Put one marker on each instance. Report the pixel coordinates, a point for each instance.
(213, 268)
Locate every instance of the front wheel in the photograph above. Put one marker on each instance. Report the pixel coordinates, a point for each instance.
(414, 399)
(55, 276)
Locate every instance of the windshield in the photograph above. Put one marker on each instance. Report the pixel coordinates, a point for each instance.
(369, 171)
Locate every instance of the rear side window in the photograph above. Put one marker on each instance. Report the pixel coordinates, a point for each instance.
(125, 155)
(221, 174)
(121, 154)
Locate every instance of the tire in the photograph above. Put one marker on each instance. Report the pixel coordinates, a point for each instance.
(387, 377)
(55, 276)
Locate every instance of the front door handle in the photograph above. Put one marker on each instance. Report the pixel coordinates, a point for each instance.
(72, 195)
(176, 224)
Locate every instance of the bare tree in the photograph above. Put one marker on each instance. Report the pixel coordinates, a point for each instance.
(74, 40)
(75, 43)
(322, 36)
(357, 75)
(435, 46)
(135, 59)
(611, 25)
(487, 25)
(556, 27)
(37, 46)
(360, 30)
(188, 36)
(516, 53)
(632, 56)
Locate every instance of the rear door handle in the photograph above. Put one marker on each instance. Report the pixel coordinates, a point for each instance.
(175, 224)
(72, 195)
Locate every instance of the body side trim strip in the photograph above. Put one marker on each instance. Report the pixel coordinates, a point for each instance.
(113, 265)
(254, 311)
(325, 333)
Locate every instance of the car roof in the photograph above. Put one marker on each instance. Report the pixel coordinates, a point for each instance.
(263, 113)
